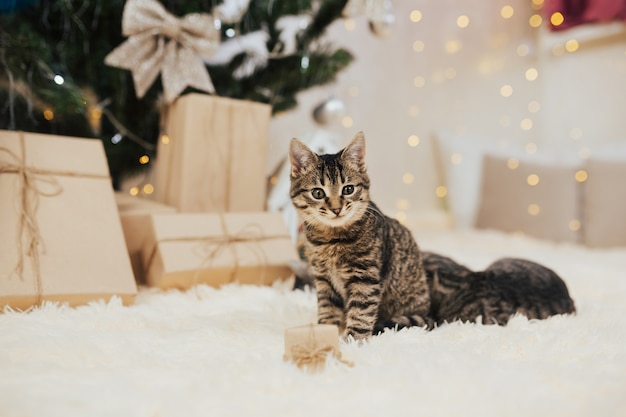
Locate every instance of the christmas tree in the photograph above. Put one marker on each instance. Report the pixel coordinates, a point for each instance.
(54, 79)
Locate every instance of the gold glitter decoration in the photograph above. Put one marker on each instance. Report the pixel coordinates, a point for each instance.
(159, 42)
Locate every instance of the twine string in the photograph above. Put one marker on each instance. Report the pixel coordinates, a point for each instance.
(210, 246)
(313, 354)
(31, 180)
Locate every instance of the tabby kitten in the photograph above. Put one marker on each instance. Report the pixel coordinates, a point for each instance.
(367, 267)
(507, 287)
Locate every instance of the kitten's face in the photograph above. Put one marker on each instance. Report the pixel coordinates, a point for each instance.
(329, 190)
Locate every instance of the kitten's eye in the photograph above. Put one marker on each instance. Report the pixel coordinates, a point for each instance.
(318, 193)
(347, 190)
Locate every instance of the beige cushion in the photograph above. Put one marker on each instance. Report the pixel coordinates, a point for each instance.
(549, 209)
(458, 159)
(605, 203)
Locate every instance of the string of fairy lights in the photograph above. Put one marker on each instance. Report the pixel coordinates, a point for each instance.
(536, 21)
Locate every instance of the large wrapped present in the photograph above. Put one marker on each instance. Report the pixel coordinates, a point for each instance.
(186, 249)
(134, 212)
(61, 238)
(215, 156)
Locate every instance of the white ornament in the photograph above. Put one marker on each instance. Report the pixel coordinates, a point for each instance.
(380, 16)
(329, 111)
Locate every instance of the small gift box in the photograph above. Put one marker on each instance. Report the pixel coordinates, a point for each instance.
(308, 346)
(215, 156)
(186, 249)
(61, 233)
(134, 212)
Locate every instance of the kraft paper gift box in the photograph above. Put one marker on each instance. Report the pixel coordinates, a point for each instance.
(215, 157)
(61, 238)
(134, 212)
(308, 346)
(186, 249)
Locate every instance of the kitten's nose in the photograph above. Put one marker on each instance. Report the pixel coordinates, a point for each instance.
(336, 211)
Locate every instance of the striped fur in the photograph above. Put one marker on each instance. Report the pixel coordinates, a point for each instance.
(507, 287)
(367, 267)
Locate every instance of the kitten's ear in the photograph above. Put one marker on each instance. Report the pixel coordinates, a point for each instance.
(355, 151)
(300, 156)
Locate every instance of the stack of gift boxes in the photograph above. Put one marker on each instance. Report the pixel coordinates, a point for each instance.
(66, 236)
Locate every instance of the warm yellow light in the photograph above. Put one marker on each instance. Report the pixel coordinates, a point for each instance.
(581, 175)
(165, 139)
(532, 74)
(349, 24)
(353, 91)
(523, 50)
(574, 225)
(526, 124)
(532, 179)
(413, 140)
(507, 12)
(134, 191)
(148, 189)
(401, 217)
(535, 20)
(531, 148)
(273, 179)
(346, 121)
(537, 4)
(533, 209)
(571, 45)
(450, 73)
(96, 113)
(144, 159)
(419, 81)
(558, 50)
(414, 111)
(456, 158)
(506, 90)
(418, 46)
(441, 191)
(48, 114)
(534, 106)
(437, 77)
(453, 46)
(576, 133)
(408, 178)
(512, 163)
(556, 19)
(403, 204)
(462, 21)
(415, 16)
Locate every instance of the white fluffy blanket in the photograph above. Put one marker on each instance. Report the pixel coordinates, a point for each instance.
(209, 352)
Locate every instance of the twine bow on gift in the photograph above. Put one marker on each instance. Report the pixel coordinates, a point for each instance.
(160, 42)
(312, 355)
(251, 234)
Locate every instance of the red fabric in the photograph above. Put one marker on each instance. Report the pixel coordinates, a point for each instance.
(577, 12)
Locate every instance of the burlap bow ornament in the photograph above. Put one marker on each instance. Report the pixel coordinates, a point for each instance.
(160, 42)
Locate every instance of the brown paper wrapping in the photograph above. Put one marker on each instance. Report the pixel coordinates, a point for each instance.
(186, 249)
(215, 160)
(79, 254)
(134, 215)
(308, 346)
